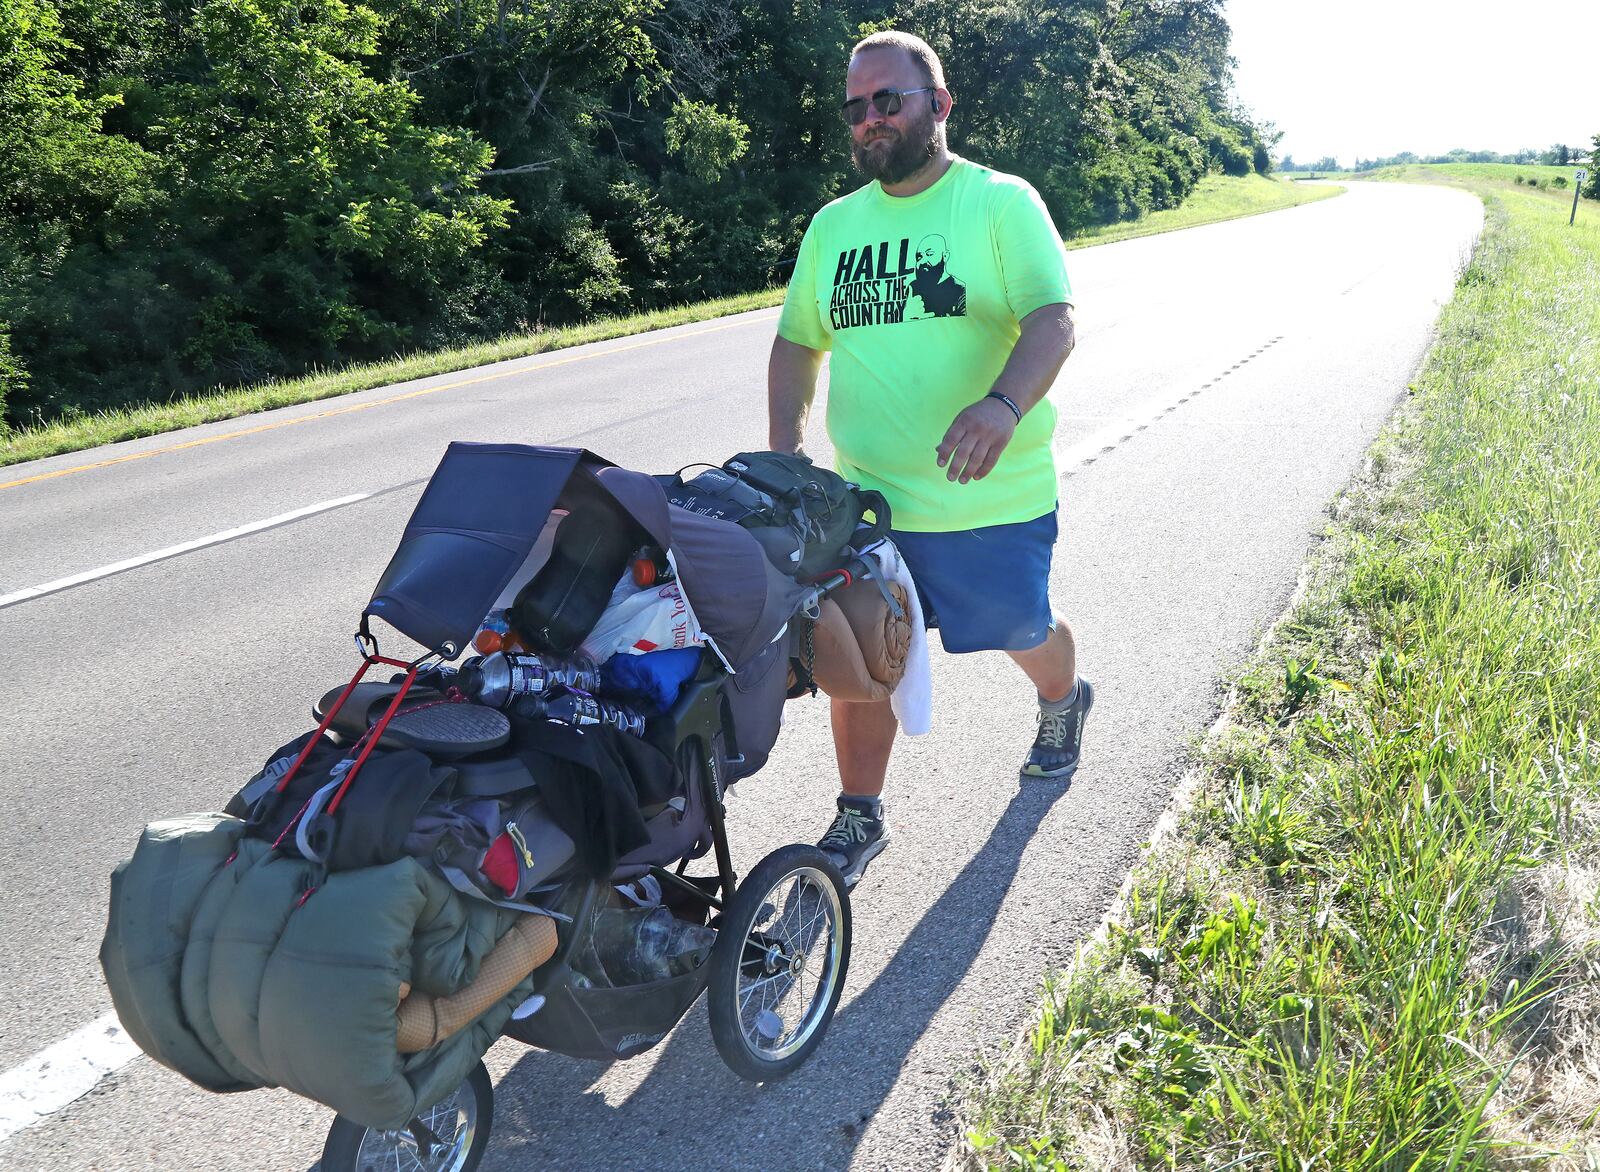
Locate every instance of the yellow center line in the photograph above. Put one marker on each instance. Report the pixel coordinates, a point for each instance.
(466, 382)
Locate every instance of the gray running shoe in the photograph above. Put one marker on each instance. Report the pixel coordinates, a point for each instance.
(854, 839)
(1055, 750)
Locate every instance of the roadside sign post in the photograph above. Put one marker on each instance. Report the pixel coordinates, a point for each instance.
(1576, 188)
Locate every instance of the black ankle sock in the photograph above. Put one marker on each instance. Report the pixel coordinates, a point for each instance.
(872, 807)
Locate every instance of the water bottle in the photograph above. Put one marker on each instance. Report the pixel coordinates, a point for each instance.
(494, 634)
(632, 943)
(689, 947)
(579, 708)
(650, 945)
(651, 568)
(503, 676)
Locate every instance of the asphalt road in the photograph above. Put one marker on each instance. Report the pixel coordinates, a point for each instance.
(1227, 382)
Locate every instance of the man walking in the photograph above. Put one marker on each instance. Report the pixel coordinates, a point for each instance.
(941, 289)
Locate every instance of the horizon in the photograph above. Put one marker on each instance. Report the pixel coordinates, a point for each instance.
(1431, 78)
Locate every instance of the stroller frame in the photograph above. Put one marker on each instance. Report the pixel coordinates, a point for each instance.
(704, 726)
(576, 1017)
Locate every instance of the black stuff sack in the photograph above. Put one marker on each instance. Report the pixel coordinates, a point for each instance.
(804, 517)
(591, 550)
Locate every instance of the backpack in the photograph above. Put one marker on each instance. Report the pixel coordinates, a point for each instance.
(804, 517)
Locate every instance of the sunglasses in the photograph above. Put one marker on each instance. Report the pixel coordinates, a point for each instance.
(888, 102)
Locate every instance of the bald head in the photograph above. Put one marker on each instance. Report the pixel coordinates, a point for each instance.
(929, 69)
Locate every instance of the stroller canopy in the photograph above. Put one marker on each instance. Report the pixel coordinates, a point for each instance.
(481, 515)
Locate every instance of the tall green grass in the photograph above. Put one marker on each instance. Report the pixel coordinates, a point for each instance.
(1373, 941)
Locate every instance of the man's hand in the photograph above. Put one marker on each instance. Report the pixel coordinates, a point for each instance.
(972, 445)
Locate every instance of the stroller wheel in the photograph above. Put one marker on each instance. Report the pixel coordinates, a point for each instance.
(448, 1137)
(779, 964)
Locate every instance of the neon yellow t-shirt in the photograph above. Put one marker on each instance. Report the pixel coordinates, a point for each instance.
(920, 300)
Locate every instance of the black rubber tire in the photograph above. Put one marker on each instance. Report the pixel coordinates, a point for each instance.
(738, 919)
(343, 1144)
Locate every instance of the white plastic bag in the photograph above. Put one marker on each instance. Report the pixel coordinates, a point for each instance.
(636, 620)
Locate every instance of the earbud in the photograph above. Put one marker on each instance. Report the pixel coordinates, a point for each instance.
(935, 103)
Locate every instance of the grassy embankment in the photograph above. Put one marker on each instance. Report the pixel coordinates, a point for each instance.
(1216, 198)
(87, 431)
(1538, 176)
(1372, 939)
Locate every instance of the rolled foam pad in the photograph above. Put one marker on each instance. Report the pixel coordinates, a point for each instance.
(426, 1020)
(883, 636)
(860, 645)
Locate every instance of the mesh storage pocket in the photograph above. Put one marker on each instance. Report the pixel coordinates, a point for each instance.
(609, 1023)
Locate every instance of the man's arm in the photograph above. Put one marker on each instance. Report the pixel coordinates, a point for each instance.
(791, 385)
(972, 445)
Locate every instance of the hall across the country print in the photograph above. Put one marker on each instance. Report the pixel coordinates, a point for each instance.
(891, 282)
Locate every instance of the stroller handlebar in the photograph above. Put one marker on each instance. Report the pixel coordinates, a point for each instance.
(860, 568)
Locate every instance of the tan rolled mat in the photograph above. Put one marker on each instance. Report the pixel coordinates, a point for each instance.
(860, 645)
(426, 1020)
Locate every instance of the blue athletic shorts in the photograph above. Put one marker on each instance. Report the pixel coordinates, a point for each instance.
(985, 589)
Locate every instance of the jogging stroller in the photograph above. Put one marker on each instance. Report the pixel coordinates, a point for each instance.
(782, 933)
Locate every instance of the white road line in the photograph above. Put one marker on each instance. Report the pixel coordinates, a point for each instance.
(1092, 447)
(72, 1067)
(61, 1073)
(173, 551)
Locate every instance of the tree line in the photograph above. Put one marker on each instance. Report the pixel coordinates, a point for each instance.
(1558, 155)
(204, 192)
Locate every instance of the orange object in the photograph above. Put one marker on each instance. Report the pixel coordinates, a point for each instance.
(424, 1020)
(487, 641)
(644, 572)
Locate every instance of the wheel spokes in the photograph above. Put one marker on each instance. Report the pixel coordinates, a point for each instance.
(809, 917)
(451, 1120)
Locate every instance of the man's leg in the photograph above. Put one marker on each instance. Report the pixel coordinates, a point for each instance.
(1064, 700)
(1053, 665)
(863, 736)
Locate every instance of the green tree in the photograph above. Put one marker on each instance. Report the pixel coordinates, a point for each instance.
(708, 141)
(231, 190)
(13, 377)
(558, 90)
(304, 216)
(64, 183)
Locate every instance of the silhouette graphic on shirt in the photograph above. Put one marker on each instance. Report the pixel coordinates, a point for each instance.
(934, 291)
(889, 282)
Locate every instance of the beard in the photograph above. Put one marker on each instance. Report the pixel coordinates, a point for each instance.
(905, 155)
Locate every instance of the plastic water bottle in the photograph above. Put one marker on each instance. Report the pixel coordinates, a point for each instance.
(690, 946)
(651, 942)
(493, 634)
(503, 676)
(580, 708)
(631, 943)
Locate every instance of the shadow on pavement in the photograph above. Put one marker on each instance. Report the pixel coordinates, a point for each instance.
(691, 1111)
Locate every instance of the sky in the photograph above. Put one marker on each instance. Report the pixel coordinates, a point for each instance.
(1374, 78)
